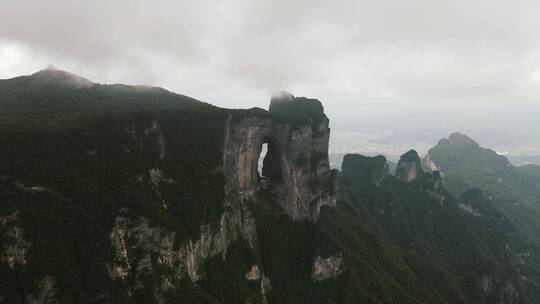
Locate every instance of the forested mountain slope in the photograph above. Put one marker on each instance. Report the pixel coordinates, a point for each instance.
(119, 194)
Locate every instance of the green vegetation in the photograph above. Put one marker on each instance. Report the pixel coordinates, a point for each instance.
(88, 153)
(467, 165)
(300, 111)
(447, 248)
(75, 155)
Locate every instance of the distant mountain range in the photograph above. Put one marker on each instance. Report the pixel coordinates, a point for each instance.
(385, 143)
(465, 164)
(520, 160)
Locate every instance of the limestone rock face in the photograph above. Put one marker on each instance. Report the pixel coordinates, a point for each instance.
(327, 268)
(409, 168)
(365, 169)
(433, 185)
(143, 248)
(429, 165)
(242, 147)
(254, 273)
(296, 165)
(437, 181)
(15, 246)
(15, 254)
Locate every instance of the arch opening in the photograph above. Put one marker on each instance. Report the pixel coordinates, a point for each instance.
(262, 155)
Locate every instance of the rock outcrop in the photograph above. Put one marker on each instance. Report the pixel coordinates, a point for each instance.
(327, 268)
(434, 186)
(295, 168)
(244, 137)
(429, 165)
(254, 273)
(15, 246)
(156, 246)
(364, 169)
(409, 168)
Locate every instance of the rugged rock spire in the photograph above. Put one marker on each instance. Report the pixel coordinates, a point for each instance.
(409, 168)
(296, 165)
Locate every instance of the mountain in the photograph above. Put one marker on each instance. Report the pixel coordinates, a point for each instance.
(54, 98)
(465, 164)
(120, 194)
(513, 191)
(461, 248)
(129, 194)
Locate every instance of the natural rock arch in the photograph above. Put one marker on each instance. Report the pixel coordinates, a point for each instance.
(296, 164)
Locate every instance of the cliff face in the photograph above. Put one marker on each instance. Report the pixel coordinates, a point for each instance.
(130, 195)
(295, 169)
(409, 168)
(365, 169)
(154, 200)
(327, 268)
(144, 249)
(244, 138)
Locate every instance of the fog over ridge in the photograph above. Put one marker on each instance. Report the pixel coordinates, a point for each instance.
(418, 69)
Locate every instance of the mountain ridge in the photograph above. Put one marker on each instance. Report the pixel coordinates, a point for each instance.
(117, 195)
(465, 164)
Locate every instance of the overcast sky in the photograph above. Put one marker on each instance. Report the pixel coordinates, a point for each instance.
(472, 66)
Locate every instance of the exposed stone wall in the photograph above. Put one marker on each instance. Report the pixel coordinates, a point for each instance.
(14, 253)
(327, 268)
(241, 150)
(15, 246)
(409, 168)
(306, 181)
(296, 163)
(142, 247)
(430, 165)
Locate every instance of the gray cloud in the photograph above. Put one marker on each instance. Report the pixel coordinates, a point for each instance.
(363, 56)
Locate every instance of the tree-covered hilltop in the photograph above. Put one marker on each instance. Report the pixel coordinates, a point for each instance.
(465, 164)
(121, 194)
(515, 191)
(56, 98)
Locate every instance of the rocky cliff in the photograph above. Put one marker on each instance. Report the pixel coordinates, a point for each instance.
(119, 194)
(139, 194)
(464, 164)
(295, 169)
(409, 168)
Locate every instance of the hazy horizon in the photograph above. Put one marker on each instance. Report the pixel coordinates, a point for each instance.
(390, 73)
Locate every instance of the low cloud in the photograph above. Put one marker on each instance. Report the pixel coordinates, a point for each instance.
(236, 53)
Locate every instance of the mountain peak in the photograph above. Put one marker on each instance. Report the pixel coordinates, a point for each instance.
(461, 139)
(409, 168)
(53, 75)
